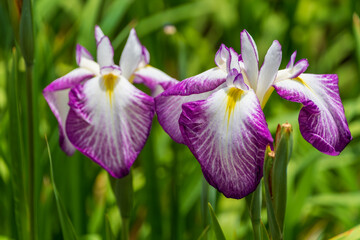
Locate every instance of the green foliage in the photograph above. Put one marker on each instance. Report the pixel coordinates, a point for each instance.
(323, 192)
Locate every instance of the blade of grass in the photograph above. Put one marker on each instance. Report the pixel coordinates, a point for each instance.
(17, 154)
(215, 224)
(66, 225)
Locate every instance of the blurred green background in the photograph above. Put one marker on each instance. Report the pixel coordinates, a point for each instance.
(323, 191)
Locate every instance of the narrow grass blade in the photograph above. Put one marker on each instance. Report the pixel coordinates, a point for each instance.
(66, 225)
(17, 153)
(108, 231)
(215, 225)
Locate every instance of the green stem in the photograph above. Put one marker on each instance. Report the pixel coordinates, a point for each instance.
(125, 228)
(30, 122)
(254, 204)
(204, 204)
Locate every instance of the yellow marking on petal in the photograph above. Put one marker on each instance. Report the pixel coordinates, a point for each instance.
(109, 82)
(233, 95)
(302, 82)
(266, 97)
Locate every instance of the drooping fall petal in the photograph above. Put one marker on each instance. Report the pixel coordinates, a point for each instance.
(228, 134)
(322, 119)
(109, 121)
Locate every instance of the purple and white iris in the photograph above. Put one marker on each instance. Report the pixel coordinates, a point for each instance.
(99, 111)
(218, 113)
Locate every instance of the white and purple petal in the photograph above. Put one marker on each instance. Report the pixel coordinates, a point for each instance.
(110, 128)
(85, 60)
(168, 104)
(133, 54)
(269, 70)
(105, 53)
(322, 120)
(57, 96)
(228, 134)
(156, 80)
(227, 59)
(250, 58)
(98, 34)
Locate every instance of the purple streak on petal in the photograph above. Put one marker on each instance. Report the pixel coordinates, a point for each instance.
(299, 68)
(145, 56)
(239, 83)
(222, 57)
(292, 60)
(322, 119)
(98, 34)
(168, 104)
(112, 135)
(56, 95)
(82, 52)
(230, 152)
(153, 78)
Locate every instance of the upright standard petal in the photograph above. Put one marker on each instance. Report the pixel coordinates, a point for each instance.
(250, 58)
(105, 53)
(133, 54)
(168, 104)
(156, 80)
(227, 59)
(109, 121)
(269, 70)
(228, 134)
(85, 60)
(322, 120)
(98, 34)
(57, 96)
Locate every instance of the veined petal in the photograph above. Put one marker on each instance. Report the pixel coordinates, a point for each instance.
(292, 70)
(109, 123)
(227, 59)
(322, 120)
(269, 70)
(132, 55)
(105, 53)
(168, 104)
(228, 134)
(98, 34)
(85, 60)
(250, 58)
(57, 96)
(154, 79)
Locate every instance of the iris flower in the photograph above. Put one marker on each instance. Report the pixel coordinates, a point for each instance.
(99, 111)
(218, 113)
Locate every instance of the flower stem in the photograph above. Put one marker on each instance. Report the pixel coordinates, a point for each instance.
(30, 122)
(204, 204)
(253, 202)
(123, 191)
(125, 228)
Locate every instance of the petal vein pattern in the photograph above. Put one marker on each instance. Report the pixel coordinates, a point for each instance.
(322, 119)
(110, 134)
(168, 104)
(229, 147)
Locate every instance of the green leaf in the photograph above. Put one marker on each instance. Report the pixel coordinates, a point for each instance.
(17, 153)
(356, 26)
(109, 233)
(66, 225)
(352, 234)
(215, 225)
(283, 150)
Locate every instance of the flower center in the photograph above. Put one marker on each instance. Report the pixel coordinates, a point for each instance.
(233, 95)
(109, 82)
